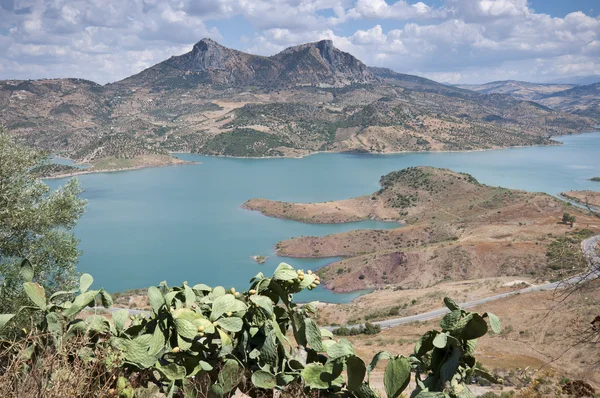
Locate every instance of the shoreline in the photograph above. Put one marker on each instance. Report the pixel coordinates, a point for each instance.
(558, 143)
(85, 171)
(578, 202)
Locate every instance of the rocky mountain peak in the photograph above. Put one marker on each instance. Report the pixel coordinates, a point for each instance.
(317, 63)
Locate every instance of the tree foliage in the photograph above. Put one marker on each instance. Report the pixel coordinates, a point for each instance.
(568, 218)
(35, 223)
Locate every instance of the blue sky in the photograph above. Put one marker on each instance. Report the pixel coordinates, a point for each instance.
(458, 41)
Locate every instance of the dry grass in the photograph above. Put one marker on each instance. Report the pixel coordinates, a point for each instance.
(75, 371)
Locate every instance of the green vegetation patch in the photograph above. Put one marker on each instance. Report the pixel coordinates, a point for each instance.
(52, 169)
(245, 142)
(596, 179)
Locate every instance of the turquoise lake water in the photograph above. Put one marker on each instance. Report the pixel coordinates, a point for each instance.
(185, 222)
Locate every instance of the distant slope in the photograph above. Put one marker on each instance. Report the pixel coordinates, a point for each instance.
(580, 100)
(577, 80)
(312, 97)
(517, 89)
(416, 83)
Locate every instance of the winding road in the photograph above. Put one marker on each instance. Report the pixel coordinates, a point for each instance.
(588, 247)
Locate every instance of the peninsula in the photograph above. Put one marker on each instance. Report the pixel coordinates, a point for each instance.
(456, 229)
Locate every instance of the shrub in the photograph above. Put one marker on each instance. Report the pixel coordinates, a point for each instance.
(200, 340)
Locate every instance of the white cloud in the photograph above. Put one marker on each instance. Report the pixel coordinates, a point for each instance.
(460, 40)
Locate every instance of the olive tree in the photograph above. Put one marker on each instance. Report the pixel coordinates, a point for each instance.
(35, 224)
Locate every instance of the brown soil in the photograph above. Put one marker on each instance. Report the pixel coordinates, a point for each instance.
(457, 229)
(584, 197)
(540, 331)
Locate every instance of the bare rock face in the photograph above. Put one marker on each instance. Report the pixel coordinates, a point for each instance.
(321, 63)
(317, 64)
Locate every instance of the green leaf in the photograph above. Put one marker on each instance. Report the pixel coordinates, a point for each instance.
(341, 349)
(157, 342)
(201, 287)
(97, 323)
(26, 271)
(450, 365)
(475, 328)
(285, 378)
(233, 324)
(172, 371)
(85, 281)
(186, 328)
(396, 376)
(440, 340)
(156, 299)
(356, 370)
(380, 356)
(313, 335)
(190, 296)
(430, 394)
(365, 391)
(119, 318)
(218, 292)
(425, 343)
(451, 304)
(226, 343)
(307, 281)
(230, 375)
(216, 391)
(451, 320)
(224, 304)
(106, 298)
(494, 322)
(262, 379)
(263, 302)
(36, 293)
(134, 352)
(80, 302)
(53, 322)
(326, 334)
(285, 272)
(4, 319)
(268, 350)
(321, 376)
(312, 376)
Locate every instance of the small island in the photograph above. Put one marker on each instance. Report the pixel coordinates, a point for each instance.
(597, 179)
(259, 259)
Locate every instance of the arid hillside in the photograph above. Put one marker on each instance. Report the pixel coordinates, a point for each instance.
(456, 229)
(313, 97)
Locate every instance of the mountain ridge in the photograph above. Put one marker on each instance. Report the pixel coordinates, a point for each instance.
(316, 63)
(306, 98)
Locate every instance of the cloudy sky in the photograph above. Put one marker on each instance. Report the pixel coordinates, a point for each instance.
(458, 41)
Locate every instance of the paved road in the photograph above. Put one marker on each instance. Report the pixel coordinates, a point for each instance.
(589, 249)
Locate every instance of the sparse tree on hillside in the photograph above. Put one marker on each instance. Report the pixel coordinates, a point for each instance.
(35, 224)
(568, 219)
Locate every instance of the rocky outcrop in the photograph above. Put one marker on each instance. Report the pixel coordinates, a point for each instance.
(318, 64)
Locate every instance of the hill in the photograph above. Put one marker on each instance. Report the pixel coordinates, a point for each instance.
(312, 97)
(580, 100)
(455, 229)
(518, 89)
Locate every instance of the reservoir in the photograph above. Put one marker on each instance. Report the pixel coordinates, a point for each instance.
(185, 223)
